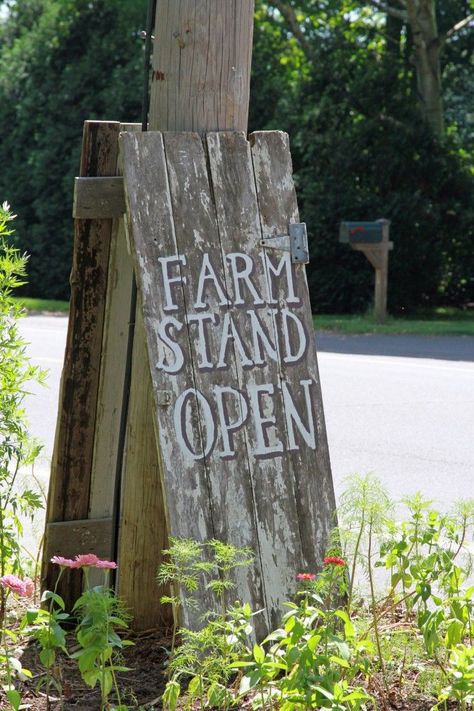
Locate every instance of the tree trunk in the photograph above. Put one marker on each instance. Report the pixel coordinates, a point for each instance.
(427, 48)
(201, 65)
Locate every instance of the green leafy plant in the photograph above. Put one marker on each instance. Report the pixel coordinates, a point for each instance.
(312, 661)
(192, 565)
(44, 625)
(17, 449)
(10, 665)
(460, 677)
(99, 615)
(205, 656)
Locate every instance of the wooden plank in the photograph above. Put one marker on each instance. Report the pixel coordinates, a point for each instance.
(68, 497)
(153, 235)
(143, 526)
(201, 65)
(97, 198)
(105, 474)
(253, 314)
(308, 453)
(70, 538)
(231, 492)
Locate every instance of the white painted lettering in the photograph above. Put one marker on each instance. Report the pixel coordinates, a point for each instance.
(260, 337)
(207, 274)
(169, 280)
(231, 334)
(284, 263)
(292, 416)
(227, 427)
(178, 358)
(243, 276)
(183, 422)
(264, 421)
(202, 345)
(291, 357)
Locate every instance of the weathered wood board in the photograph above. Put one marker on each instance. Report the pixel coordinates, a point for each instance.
(237, 399)
(68, 497)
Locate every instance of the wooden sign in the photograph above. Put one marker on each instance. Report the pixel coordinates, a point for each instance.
(230, 343)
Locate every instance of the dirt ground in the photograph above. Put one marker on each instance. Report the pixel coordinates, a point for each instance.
(141, 687)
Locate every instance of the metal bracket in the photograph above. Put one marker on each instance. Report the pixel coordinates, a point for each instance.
(296, 242)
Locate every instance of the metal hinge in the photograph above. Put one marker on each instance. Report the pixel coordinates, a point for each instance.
(296, 242)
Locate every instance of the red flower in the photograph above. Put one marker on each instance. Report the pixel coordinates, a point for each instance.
(306, 576)
(333, 560)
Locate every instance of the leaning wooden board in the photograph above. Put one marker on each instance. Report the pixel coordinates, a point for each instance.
(231, 350)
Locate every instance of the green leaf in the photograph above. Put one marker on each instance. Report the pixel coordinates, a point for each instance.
(171, 695)
(47, 657)
(48, 595)
(14, 698)
(194, 686)
(106, 682)
(340, 662)
(258, 654)
(87, 658)
(91, 677)
(454, 633)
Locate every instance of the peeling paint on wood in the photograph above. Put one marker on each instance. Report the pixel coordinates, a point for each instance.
(229, 336)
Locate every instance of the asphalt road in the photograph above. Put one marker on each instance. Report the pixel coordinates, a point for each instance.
(401, 407)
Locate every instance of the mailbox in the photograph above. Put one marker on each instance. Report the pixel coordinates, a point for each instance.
(362, 232)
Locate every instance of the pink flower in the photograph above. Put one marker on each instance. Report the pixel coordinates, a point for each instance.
(106, 564)
(86, 560)
(306, 576)
(23, 588)
(64, 562)
(333, 560)
(29, 587)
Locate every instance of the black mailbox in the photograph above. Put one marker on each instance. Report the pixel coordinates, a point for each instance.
(362, 232)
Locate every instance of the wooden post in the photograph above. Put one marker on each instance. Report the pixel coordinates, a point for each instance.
(201, 65)
(377, 254)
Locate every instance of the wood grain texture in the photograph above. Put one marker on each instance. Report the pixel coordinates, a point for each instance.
(68, 497)
(97, 198)
(143, 526)
(279, 546)
(153, 235)
(231, 492)
(310, 469)
(201, 65)
(195, 227)
(104, 496)
(67, 538)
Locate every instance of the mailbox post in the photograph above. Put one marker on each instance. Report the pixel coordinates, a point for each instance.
(372, 238)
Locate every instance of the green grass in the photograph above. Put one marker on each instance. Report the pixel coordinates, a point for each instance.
(440, 322)
(43, 305)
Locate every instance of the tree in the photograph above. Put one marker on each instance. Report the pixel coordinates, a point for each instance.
(61, 62)
(420, 17)
(360, 151)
